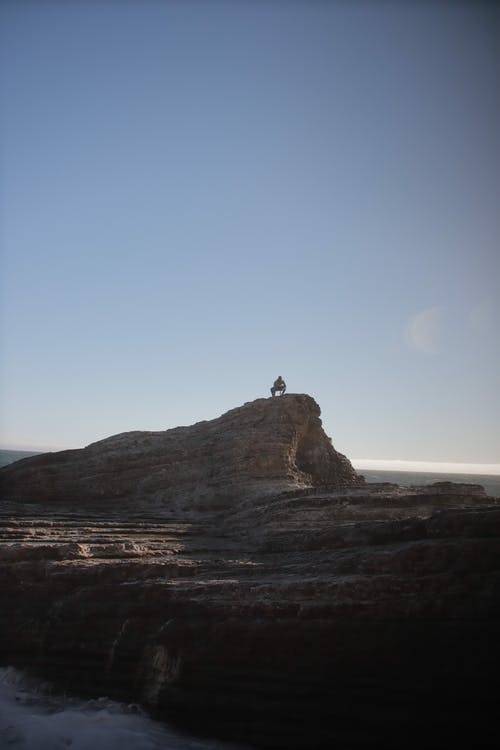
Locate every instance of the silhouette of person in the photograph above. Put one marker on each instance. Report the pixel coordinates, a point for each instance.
(278, 385)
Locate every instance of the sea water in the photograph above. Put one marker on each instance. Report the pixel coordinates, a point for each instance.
(34, 717)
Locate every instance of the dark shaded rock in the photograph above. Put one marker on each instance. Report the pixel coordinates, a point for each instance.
(320, 613)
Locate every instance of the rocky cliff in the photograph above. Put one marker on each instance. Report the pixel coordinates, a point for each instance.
(321, 613)
(262, 448)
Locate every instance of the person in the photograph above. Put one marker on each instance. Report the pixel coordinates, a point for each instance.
(278, 385)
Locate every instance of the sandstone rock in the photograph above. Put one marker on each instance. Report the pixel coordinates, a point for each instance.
(307, 610)
(264, 447)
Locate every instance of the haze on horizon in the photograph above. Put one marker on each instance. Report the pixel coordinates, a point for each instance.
(197, 197)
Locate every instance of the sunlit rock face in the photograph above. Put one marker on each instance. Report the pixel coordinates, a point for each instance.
(291, 606)
(264, 447)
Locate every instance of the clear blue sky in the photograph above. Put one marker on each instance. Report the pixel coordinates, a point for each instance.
(199, 196)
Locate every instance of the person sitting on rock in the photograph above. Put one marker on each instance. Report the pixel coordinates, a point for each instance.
(278, 385)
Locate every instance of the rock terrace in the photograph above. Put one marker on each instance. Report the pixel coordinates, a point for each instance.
(279, 602)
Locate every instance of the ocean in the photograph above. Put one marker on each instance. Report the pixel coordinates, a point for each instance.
(34, 717)
(8, 457)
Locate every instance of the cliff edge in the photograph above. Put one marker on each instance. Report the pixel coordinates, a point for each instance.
(239, 578)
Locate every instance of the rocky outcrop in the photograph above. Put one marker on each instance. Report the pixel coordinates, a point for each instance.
(328, 614)
(262, 448)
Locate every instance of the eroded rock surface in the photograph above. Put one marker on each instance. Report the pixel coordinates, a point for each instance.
(262, 448)
(326, 614)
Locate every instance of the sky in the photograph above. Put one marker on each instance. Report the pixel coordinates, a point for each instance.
(197, 197)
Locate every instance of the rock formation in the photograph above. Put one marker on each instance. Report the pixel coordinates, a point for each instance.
(255, 588)
(265, 447)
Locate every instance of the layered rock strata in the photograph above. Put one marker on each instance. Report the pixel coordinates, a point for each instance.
(336, 615)
(264, 447)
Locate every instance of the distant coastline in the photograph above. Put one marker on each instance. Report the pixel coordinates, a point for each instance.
(490, 482)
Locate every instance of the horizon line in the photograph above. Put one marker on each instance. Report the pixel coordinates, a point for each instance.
(436, 467)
